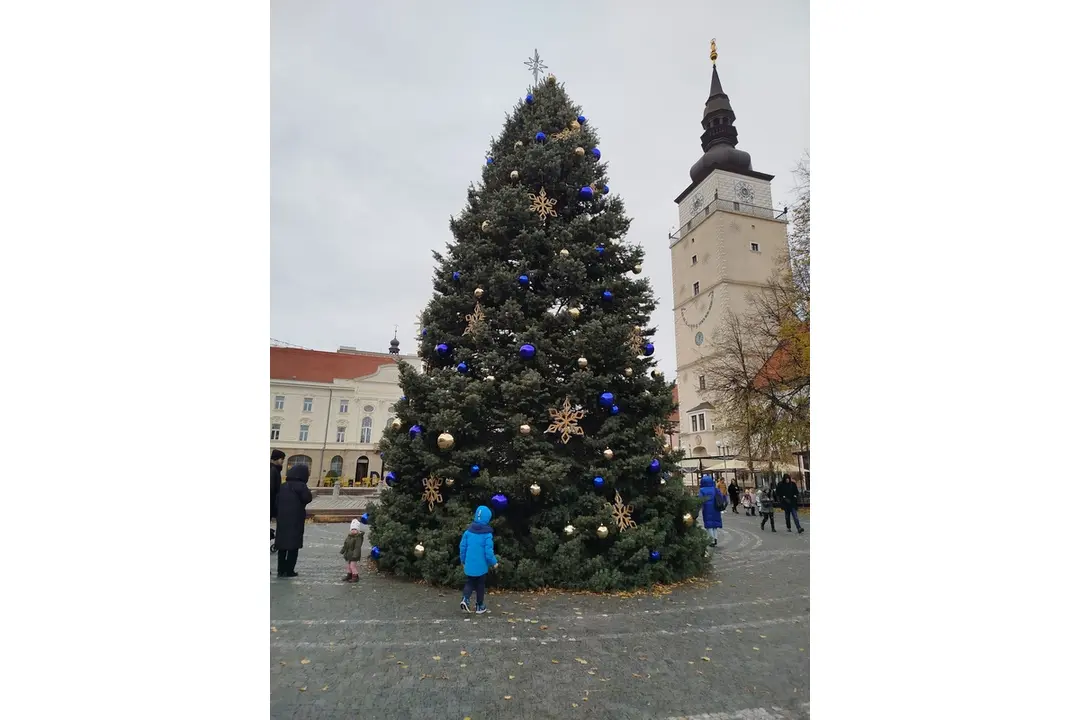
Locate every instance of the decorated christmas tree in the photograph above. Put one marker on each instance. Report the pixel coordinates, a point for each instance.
(538, 396)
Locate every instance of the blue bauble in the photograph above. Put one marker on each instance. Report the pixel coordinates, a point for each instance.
(596, 153)
(523, 280)
(614, 409)
(390, 477)
(607, 399)
(606, 189)
(654, 556)
(462, 367)
(474, 470)
(456, 275)
(499, 501)
(443, 349)
(529, 99)
(654, 466)
(607, 296)
(491, 161)
(423, 332)
(585, 193)
(527, 351)
(375, 552)
(415, 431)
(365, 519)
(404, 399)
(600, 250)
(541, 137)
(598, 482)
(581, 119)
(649, 349)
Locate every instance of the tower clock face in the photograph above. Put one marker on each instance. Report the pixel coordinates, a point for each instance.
(697, 203)
(744, 192)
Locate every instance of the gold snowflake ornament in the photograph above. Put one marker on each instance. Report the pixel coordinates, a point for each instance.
(473, 321)
(621, 513)
(542, 205)
(636, 341)
(564, 421)
(431, 492)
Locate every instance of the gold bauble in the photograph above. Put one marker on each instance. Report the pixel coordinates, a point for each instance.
(688, 519)
(551, 78)
(449, 482)
(489, 378)
(534, 489)
(608, 454)
(579, 151)
(396, 424)
(601, 532)
(518, 144)
(637, 269)
(485, 226)
(583, 362)
(524, 429)
(478, 293)
(628, 371)
(656, 374)
(575, 313)
(575, 124)
(446, 441)
(568, 530)
(514, 175)
(663, 481)
(418, 551)
(564, 252)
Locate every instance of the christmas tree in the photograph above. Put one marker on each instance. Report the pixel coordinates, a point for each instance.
(538, 397)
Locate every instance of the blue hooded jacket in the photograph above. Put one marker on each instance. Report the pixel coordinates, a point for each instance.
(477, 546)
(710, 516)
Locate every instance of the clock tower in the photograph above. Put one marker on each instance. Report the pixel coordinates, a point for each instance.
(726, 247)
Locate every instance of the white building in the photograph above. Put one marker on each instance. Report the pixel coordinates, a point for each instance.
(329, 409)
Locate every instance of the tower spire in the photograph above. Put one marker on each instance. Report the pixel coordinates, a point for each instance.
(720, 137)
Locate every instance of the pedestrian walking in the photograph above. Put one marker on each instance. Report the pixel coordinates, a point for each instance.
(293, 499)
(787, 493)
(352, 551)
(712, 506)
(277, 459)
(477, 550)
(766, 496)
(733, 493)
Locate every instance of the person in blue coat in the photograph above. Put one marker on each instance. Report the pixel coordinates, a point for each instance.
(477, 551)
(711, 517)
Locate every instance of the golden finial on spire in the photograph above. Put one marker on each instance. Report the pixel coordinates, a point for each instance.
(712, 50)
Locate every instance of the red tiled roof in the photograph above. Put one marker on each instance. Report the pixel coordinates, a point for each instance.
(318, 366)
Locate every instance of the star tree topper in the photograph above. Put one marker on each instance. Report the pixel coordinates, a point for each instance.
(564, 421)
(431, 492)
(542, 205)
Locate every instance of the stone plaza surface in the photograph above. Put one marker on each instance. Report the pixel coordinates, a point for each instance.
(734, 646)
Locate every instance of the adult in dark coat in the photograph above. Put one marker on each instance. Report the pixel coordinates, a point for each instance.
(277, 459)
(293, 498)
(734, 493)
(787, 493)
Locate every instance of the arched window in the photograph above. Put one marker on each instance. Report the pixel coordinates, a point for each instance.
(365, 430)
(297, 460)
(336, 463)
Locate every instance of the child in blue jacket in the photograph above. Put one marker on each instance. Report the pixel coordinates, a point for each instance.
(477, 550)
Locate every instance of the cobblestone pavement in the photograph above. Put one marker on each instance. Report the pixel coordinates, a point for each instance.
(341, 502)
(733, 647)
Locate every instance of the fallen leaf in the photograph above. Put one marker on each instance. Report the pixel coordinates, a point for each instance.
(462, 664)
(592, 672)
(511, 677)
(273, 629)
(737, 630)
(305, 661)
(521, 663)
(507, 697)
(705, 659)
(424, 676)
(463, 653)
(399, 662)
(801, 650)
(757, 648)
(642, 657)
(543, 627)
(583, 662)
(303, 689)
(554, 662)
(605, 679)
(690, 662)
(573, 704)
(282, 663)
(637, 676)
(436, 657)
(325, 688)
(761, 636)
(708, 649)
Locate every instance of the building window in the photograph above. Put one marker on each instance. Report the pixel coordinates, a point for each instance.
(279, 402)
(303, 433)
(697, 289)
(307, 404)
(336, 464)
(701, 382)
(735, 205)
(693, 424)
(369, 408)
(340, 434)
(275, 431)
(693, 259)
(754, 247)
(344, 408)
(297, 460)
(697, 423)
(365, 430)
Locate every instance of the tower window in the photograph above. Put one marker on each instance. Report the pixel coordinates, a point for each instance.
(754, 247)
(693, 260)
(697, 289)
(701, 382)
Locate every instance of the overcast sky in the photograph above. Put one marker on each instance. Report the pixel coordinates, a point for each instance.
(381, 114)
